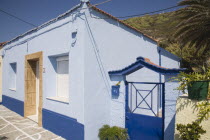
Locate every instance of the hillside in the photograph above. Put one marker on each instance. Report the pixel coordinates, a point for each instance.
(161, 27)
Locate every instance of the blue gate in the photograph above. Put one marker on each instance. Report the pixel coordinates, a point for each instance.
(145, 110)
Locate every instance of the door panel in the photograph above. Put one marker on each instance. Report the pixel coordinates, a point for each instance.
(31, 88)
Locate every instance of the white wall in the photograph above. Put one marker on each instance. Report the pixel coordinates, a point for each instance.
(171, 95)
(187, 113)
(102, 45)
(118, 47)
(97, 95)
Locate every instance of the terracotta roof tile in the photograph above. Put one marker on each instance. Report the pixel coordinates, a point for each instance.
(2, 43)
(145, 62)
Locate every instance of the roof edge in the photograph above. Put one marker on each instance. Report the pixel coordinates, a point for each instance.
(120, 21)
(44, 24)
(145, 62)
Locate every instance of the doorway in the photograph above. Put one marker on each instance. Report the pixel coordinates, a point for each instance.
(33, 87)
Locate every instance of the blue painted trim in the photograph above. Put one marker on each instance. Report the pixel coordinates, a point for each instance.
(126, 97)
(13, 104)
(62, 125)
(163, 109)
(140, 63)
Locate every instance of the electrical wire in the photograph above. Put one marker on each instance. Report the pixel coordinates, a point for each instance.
(140, 14)
(17, 18)
(93, 16)
(102, 3)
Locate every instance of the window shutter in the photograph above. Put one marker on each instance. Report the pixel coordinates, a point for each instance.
(63, 78)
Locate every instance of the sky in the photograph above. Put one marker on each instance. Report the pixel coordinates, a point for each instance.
(38, 12)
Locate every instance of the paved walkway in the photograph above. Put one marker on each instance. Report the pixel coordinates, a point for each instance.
(16, 127)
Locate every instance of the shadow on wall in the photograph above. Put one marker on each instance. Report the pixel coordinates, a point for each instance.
(167, 54)
(168, 130)
(182, 106)
(3, 138)
(177, 137)
(53, 62)
(185, 104)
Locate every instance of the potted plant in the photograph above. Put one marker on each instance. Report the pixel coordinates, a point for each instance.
(197, 84)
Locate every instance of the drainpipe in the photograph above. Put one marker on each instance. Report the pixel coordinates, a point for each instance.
(160, 81)
(159, 51)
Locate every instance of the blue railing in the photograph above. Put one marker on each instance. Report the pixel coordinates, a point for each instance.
(134, 102)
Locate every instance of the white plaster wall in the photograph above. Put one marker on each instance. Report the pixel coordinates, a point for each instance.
(118, 107)
(169, 60)
(16, 54)
(54, 39)
(186, 113)
(171, 96)
(97, 95)
(118, 47)
(102, 45)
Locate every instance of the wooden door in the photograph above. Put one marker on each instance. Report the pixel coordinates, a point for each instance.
(30, 103)
(30, 96)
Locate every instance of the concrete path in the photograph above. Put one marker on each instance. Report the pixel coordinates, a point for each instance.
(16, 127)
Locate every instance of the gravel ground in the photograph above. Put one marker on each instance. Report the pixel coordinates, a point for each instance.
(16, 127)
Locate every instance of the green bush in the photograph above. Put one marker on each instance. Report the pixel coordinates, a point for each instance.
(112, 133)
(204, 111)
(185, 79)
(191, 131)
(194, 130)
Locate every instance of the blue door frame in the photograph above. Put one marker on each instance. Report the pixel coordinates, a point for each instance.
(145, 126)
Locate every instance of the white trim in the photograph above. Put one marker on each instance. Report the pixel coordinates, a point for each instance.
(13, 89)
(59, 59)
(59, 99)
(63, 58)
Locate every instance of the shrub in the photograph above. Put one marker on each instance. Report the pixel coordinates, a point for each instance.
(204, 111)
(194, 130)
(191, 131)
(112, 133)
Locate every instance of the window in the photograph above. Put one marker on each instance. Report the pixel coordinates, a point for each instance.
(63, 77)
(12, 76)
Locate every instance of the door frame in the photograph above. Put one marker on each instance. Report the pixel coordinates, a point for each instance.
(39, 57)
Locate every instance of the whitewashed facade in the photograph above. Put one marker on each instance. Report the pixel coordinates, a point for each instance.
(92, 43)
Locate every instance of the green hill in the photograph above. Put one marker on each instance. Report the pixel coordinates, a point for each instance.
(161, 27)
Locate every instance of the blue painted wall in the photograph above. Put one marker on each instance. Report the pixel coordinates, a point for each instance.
(13, 104)
(64, 126)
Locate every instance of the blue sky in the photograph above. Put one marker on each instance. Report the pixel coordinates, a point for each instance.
(40, 11)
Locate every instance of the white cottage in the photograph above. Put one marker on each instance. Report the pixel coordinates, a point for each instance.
(70, 75)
